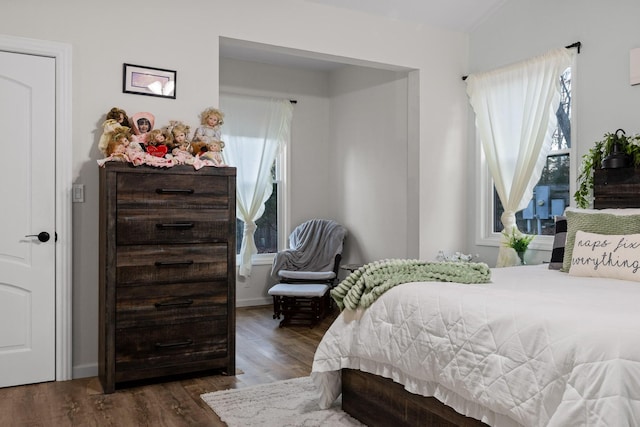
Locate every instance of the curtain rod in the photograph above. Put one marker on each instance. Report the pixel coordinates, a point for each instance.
(577, 45)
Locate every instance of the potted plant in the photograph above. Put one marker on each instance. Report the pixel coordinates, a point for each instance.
(614, 150)
(518, 241)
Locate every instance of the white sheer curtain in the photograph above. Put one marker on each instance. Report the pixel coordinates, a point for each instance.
(515, 117)
(254, 129)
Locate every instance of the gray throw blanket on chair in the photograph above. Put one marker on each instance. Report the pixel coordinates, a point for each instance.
(313, 247)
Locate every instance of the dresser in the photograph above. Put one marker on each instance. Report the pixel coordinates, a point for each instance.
(616, 188)
(167, 272)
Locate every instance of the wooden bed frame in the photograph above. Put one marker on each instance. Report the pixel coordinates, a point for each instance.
(379, 401)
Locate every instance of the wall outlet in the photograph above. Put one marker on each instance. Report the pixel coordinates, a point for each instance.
(78, 193)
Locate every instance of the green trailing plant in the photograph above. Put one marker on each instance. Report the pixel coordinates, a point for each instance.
(592, 160)
(517, 240)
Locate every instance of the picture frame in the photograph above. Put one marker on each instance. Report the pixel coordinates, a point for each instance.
(150, 81)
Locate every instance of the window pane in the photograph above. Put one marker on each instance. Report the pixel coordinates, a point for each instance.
(550, 197)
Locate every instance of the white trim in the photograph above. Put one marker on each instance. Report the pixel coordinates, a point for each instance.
(253, 302)
(61, 52)
(85, 371)
(284, 195)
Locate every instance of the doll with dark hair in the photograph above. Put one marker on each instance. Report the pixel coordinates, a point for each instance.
(119, 115)
(142, 124)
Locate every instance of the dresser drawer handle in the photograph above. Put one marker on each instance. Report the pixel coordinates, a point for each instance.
(174, 191)
(175, 225)
(183, 303)
(172, 263)
(174, 344)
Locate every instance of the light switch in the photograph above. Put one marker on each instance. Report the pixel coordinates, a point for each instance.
(78, 193)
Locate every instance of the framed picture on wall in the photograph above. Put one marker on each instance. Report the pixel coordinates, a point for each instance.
(149, 81)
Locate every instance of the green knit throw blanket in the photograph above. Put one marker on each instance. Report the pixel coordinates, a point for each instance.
(362, 287)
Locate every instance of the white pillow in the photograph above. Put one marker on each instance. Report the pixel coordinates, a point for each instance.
(609, 256)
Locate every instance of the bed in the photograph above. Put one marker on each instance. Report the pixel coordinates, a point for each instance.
(534, 347)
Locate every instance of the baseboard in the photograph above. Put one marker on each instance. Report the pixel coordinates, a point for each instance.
(254, 301)
(84, 371)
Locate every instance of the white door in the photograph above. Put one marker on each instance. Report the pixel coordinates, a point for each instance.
(27, 194)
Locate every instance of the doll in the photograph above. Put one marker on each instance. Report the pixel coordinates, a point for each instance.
(159, 142)
(119, 115)
(179, 132)
(108, 127)
(182, 153)
(181, 147)
(213, 152)
(142, 124)
(210, 120)
(117, 147)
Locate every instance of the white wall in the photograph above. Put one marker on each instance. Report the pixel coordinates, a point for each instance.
(310, 195)
(184, 37)
(370, 137)
(348, 156)
(603, 100)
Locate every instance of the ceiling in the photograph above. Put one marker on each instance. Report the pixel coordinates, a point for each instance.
(454, 15)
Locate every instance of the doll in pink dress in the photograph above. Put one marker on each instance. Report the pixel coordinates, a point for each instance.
(142, 124)
(213, 153)
(182, 152)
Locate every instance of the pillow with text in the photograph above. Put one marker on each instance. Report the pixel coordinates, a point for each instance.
(609, 256)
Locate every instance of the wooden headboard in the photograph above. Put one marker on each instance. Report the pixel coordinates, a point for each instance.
(616, 188)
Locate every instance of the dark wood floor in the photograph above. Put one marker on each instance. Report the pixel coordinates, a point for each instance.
(264, 353)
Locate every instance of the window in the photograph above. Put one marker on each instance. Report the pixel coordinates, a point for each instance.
(256, 132)
(552, 193)
(266, 235)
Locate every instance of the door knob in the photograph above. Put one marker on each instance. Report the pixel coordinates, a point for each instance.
(43, 236)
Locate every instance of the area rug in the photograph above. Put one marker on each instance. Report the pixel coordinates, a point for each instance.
(288, 403)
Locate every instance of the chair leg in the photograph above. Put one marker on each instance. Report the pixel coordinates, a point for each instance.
(277, 308)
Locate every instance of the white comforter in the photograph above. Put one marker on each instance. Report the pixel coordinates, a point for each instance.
(535, 347)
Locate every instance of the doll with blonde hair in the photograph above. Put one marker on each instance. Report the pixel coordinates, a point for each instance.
(117, 146)
(182, 152)
(210, 121)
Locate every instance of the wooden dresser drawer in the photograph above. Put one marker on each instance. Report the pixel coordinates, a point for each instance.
(168, 191)
(155, 305)
(142, 226)
(155, 264)
(155, 347)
